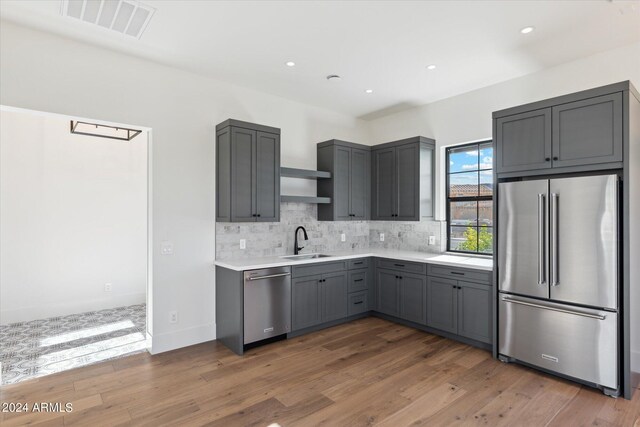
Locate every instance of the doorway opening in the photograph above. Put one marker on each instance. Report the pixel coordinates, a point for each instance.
(75, 240)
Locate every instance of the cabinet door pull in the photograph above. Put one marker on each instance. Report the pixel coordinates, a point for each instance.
(399, 265)
(359, 302)
(457, 273)
(358, 280)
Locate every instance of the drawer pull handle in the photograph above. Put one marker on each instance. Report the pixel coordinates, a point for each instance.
(457, 273)
(357, 263)
(399, 265)
(358, 280)
(359, 302)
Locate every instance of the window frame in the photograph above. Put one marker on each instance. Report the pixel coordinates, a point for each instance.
(477, 198)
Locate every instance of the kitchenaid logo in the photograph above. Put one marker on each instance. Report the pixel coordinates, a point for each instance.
(551, 358)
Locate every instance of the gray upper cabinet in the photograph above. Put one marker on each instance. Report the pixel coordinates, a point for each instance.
(383, 203)
(523, 141)
(402, 180)
(572, 133)
(588, 131)
(349, 185)
(247, 172)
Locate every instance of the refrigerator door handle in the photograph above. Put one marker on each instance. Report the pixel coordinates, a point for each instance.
(561, 310)
(541, 239)
(554, 239)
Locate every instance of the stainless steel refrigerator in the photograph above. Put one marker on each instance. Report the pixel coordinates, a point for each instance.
(558, 276)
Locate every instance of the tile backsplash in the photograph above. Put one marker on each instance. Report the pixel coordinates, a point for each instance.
(276, 238)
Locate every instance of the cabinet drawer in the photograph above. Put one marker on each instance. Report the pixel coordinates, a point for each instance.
(358, 303)
(459, 273)
(319, 268)
(358, 280)
(410, 267)
(358, 263)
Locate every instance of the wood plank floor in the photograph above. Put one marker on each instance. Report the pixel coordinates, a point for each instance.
(367, 372)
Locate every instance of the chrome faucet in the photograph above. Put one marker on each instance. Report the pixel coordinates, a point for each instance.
(296, 248)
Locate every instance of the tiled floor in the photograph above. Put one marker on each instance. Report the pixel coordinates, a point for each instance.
(41, 347)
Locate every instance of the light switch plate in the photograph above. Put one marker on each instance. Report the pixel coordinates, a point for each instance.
(107, 287)
(432, 240)
(166, 248)
(382, 237)
(343, 237)
(243, 244)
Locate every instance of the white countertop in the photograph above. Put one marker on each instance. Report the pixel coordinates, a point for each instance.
(476, 263)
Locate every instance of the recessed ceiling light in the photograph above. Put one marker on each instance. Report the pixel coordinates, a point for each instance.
(431, 67)
(290, 64)
(527, 30)
(334, 78)
(369, 91)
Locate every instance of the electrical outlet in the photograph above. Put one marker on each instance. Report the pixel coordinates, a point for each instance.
(382, 237)
(173, 317)
(343, 237)
(107, 287)
(166, 248)
(432, 240)
(243, 244)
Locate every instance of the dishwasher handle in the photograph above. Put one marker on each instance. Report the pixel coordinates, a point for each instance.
(268, 276)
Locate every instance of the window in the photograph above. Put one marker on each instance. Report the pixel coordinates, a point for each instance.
(470, 198)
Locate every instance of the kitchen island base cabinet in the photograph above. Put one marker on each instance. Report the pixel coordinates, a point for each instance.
(461, 308)
(318, 299)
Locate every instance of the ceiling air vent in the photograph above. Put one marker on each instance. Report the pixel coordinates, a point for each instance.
(129, 17)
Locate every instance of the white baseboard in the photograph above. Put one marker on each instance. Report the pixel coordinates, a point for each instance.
(182, 338)
(25, 314)
(635, 361)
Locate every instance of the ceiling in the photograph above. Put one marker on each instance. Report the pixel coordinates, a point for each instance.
(379, 45)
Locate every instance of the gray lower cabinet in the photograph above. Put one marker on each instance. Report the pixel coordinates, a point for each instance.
(318, 299)
(458, 307)
(388, 292)
(247, 172)
(402, 180)
(413, 297)
(333, 296)
(442, 307)
(305, 302)
(401, 294)
(474, 311)
(349, 186)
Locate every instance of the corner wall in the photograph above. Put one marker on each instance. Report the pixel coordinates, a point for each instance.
(46, 72)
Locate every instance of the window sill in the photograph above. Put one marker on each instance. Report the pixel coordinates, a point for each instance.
(469, 255)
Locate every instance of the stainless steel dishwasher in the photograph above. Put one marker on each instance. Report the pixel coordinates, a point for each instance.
(267, 303)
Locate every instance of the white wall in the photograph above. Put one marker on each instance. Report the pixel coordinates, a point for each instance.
(49, 73)
(467, 117)
(73, 216)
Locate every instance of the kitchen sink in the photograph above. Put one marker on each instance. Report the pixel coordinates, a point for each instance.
(305, 256)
